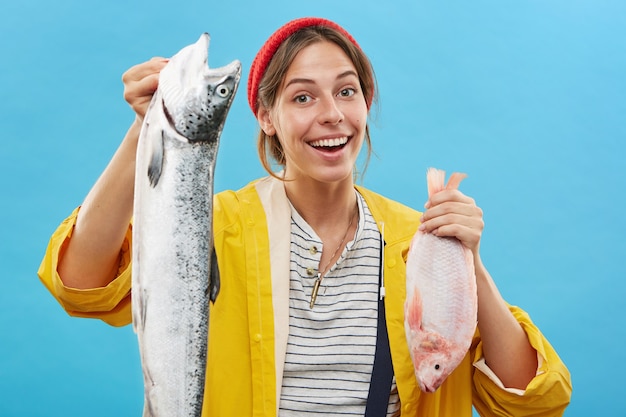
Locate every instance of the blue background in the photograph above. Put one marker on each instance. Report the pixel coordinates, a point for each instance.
(526, 97)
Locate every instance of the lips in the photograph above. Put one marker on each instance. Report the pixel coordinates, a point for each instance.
(329, 143)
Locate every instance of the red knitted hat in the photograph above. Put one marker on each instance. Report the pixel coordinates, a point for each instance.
(267, 51)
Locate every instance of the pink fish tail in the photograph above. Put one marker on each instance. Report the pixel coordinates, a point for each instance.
(435, 179)
(455, 180)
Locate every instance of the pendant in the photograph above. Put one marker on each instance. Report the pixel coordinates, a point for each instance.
(316, 288)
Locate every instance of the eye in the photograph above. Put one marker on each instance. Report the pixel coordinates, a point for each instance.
(302, 98)
(437, 367)
(222, 90)
(347, 92)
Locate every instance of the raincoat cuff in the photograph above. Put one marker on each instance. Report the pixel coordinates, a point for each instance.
(481, 365)
(85, 302)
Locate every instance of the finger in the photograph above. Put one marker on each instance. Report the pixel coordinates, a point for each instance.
(139, 94)
(468, 233)
(469, 237)
(141, 88)
(448, 195)
(452, 207)
(451, 219)
(462, 219)
(139, 71)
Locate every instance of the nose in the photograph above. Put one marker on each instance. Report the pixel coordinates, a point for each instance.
(330, 111)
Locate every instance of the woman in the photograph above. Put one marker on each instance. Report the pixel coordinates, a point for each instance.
(294, 329)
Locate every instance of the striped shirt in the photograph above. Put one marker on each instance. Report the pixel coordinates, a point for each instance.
(330, 348)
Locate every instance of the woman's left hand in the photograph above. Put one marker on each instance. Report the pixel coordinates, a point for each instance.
(453, 214)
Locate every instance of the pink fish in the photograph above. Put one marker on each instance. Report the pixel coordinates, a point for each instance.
(441, 304)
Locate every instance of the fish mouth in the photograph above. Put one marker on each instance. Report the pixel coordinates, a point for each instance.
(426, 388)
(217, 75)
(220, 74)
(330, 144)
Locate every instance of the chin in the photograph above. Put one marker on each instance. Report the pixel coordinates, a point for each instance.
(335, 176)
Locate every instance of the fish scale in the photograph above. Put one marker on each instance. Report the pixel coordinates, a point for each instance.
(174, 266)
(441, 304)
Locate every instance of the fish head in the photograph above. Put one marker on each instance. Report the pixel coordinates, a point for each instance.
(432, 371)
(197, 98)
(432, 358)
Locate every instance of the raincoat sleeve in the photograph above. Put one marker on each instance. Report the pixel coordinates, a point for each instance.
(547, 394)
(110, 304)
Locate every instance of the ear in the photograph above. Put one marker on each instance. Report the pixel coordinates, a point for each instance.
(265, 121)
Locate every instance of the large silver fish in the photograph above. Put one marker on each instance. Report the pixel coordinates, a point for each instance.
(174, 268)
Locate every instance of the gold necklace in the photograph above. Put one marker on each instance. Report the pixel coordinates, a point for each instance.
(318, 281)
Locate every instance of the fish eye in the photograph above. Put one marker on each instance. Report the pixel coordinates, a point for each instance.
(437, 366)
(222, 90)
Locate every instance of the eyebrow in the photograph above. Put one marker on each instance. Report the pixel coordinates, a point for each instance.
(310, 81)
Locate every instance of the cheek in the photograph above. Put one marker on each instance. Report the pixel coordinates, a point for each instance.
(359, 115)
(294, 126)
(278, 118)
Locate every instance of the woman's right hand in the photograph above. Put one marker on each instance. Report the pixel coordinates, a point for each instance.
(92, 256)
(140, 83)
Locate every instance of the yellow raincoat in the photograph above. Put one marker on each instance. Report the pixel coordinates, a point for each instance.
(249, 321)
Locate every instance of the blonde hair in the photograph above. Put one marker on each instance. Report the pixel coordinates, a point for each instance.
(272, 80)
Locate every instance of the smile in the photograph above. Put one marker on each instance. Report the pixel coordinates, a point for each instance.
(329, 143)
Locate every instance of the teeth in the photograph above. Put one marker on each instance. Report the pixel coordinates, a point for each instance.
(329, 142)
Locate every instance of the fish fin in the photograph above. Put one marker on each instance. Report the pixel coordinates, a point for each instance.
(144, 309)
(156, 161)
(413, 311)
(455, 180)
(137, 310)
(214, 278)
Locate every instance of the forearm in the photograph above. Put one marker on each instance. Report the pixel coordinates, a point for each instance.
(91, 258)
(506, 348)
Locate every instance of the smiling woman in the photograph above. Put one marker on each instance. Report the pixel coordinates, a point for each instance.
(304, 321)
(269, 69)
(319, 116)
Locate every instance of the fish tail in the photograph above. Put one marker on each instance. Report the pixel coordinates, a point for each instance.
(435, 179)
(455, 180)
